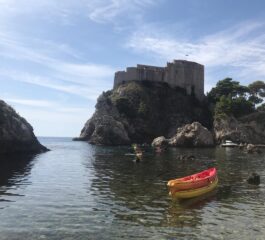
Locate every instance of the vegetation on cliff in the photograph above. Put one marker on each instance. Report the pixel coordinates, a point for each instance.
(237, 113)
(232, 99)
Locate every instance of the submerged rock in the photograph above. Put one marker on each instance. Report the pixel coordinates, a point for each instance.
(16, 134)
(254, 179)
(250, 148)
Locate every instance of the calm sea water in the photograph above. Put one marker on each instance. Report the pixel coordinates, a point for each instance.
(79, 191)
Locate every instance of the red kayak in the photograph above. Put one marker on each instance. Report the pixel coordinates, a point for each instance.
(194, 181)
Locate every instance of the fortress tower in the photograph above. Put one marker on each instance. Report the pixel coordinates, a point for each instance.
(179, 73)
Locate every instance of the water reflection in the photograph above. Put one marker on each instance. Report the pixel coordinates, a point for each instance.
(138, 193)
(79, 191)
(139, 189)
(14, 170)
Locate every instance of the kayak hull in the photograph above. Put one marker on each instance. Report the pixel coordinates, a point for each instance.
(191, 193)
(194, 181)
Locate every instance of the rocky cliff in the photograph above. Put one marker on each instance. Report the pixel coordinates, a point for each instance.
(247, 129)
(137, 112)
(16, 134)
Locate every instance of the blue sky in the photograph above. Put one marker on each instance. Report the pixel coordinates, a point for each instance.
(58, 56)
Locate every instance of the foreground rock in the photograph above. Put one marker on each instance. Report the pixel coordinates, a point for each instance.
(190, 135)
(137, 112)
(254, 179)
(16, 134)
(160, 142)
(247, 129)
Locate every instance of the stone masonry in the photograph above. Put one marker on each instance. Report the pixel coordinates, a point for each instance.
(179, 73)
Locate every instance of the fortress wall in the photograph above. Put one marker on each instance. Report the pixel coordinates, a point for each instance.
(118, 78)
(180, 73)
(159, 76)
(200, 82)
(194, 75)
(190, 75)
(151, 73)
(154, 68)
(175, 75)
(132, 74)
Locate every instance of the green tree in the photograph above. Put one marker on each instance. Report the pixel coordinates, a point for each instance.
(231, 98)
(223, 107)
(228, 88)
(257, 88)
(241, 106)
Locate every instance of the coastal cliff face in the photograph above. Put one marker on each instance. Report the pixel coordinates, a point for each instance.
(247, 129)
(137, 112)
(16, 134)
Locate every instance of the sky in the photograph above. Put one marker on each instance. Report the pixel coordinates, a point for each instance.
(57, 56)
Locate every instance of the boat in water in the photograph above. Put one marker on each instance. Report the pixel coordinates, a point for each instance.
(196, 180)
(229, 143)
(193, 185)
(191, 193)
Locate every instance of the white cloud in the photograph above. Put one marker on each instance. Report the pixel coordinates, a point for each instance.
(42, 114)
(93, 71)
(108, 10)
(30, 102)
(84, 79)
(82, 90)
(241, 47)
(44, 104)
(53, 122)
(100, 11)
(25, 7)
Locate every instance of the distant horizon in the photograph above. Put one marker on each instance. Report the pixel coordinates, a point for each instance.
(54, 137)
(58, 57)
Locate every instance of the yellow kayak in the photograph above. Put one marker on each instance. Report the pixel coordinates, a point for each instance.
(191, 193)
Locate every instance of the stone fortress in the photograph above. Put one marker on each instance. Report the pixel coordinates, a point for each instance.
(179, 73)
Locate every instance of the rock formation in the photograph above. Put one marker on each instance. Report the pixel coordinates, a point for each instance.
(190, 135)
(137, 112)
(160, 142)
(254, 179)
(247, 129)
(16, 134)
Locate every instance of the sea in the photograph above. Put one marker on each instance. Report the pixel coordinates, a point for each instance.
(80, 191)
